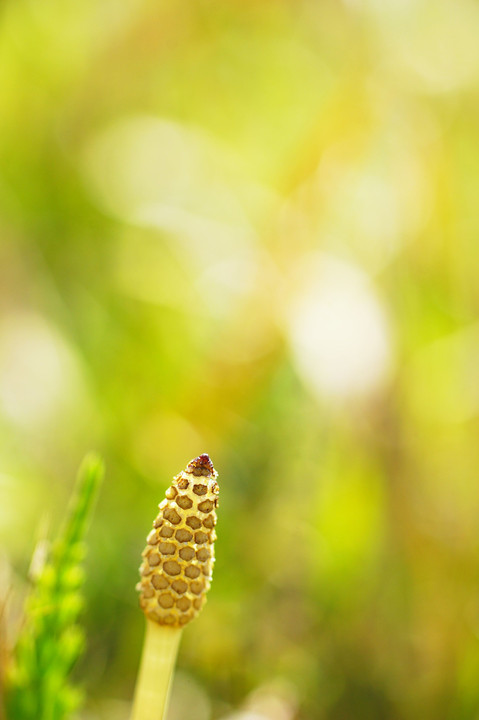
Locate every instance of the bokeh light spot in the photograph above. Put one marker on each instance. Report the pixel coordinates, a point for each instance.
(337, 328)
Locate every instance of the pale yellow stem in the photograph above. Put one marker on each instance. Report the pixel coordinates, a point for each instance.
(157, 664)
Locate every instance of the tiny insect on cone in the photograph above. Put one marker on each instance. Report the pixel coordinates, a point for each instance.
(175, 575)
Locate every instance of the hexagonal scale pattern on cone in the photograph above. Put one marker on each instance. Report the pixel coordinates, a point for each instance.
(178, 559)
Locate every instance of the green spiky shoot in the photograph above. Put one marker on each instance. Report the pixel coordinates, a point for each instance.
(50, 641)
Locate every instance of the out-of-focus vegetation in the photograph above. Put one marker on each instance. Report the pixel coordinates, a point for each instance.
(250, 228)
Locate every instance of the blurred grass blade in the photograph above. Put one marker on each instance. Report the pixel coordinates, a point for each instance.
(50, 641)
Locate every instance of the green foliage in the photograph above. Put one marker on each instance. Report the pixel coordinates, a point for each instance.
(51, 641)
(251, 229)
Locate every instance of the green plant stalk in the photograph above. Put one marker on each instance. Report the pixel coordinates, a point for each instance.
(50, 641)
(152, 692)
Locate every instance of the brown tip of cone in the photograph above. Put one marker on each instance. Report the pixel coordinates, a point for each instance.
(201, 465)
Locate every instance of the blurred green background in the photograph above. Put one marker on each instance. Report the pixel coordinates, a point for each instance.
(250, 229)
